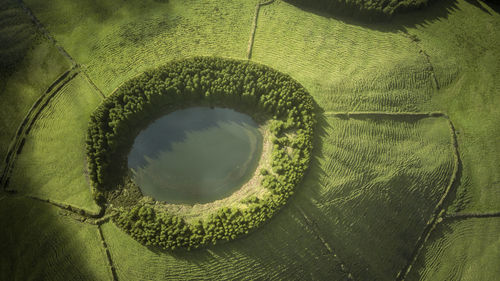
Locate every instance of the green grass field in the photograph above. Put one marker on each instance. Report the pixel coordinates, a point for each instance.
(30, 63)
(120, 39)
(374, 188)
(56, 146)
(470, 248)
(374, 182)
(38, 243)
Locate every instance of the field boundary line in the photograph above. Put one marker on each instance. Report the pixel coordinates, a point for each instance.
(439, 210)
(311, 225)
(51, 38)
(372, 114)
(75, 210)
(18, 141)
(101, 94)
(458, 216)
(254, 27)
(45, 32)
(108, 254)
(414, 39)
(92, 221)
(80, 214)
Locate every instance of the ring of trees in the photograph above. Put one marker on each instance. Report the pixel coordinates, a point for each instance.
(251, 88)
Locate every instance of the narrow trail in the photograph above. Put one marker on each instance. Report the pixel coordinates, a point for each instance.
(108, 255)
(254, 27)
(312, 226)
(23, 130)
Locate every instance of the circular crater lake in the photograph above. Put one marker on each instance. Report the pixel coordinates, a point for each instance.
(195, 155)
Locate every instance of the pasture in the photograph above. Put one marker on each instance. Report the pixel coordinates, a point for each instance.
(407, 137)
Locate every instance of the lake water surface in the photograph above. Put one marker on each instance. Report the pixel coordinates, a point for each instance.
(195, 155)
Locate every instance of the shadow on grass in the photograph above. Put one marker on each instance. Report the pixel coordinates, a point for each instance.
(442, 230)
(17, 36)
(436, 10)
(36, 244)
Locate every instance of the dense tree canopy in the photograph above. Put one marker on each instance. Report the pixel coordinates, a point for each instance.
(245, 86)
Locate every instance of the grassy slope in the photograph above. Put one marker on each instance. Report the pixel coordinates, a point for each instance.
(283, 249)
(341, 64)
(53, 162)
(344, 66)
(29, 64)
(354, 212)
(469, 41)
(375, 185)
(461, 251)
(116, 40)
(38, 244)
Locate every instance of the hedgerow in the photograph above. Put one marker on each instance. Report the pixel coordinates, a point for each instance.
(248, 87)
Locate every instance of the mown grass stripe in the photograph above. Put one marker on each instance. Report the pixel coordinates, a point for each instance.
(368, 171)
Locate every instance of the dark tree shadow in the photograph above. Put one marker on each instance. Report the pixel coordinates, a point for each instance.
(17, 36)
(36, 243)
(434, 11)
(493, 4)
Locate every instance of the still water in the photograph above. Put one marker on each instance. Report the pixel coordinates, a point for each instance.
(195, 155)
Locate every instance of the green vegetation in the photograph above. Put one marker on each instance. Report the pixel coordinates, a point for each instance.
(116, 40)
(249, 87)
(49, 149)
(284, 249)
(38, 243)
(28, 65)
(470, 248)
(363, 10)
(374, 187)
(347, 67)
(373, 181)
